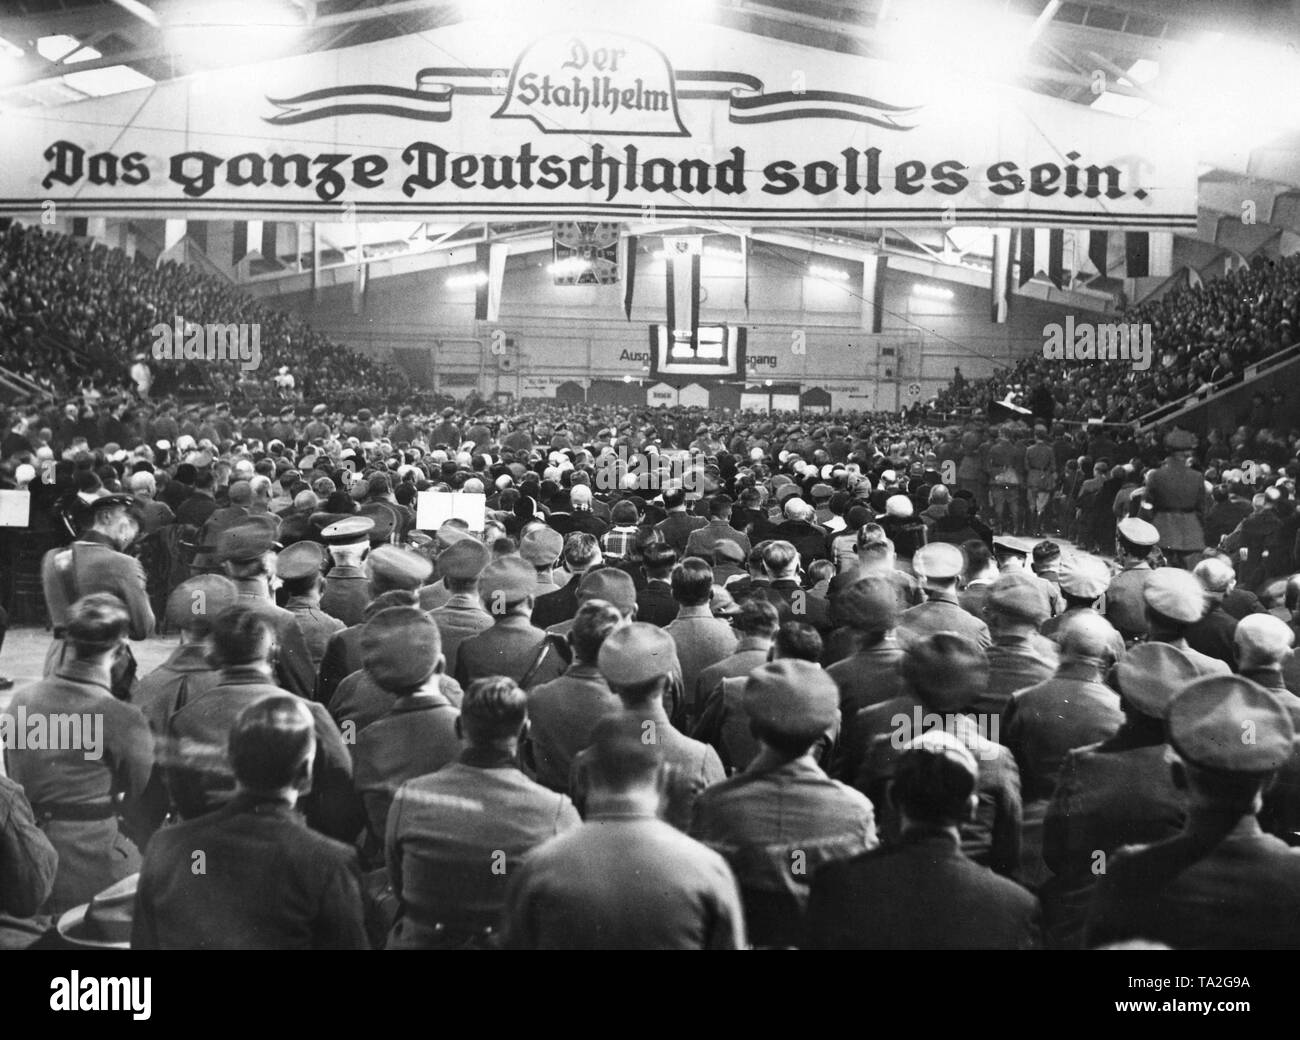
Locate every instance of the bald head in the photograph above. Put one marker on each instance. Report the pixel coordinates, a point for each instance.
(1262, 641)
(1087, 636)
(142, 485)
(798, 509)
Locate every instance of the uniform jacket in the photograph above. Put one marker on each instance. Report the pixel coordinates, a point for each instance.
(28, 864)
(776, 824)
(359, 701)
(95, 566)
(1014, 663)
(1213, 636)
(1221, 884)
(186, 673)
(921, 892)
(1118, 792)
(507, 648)
(560, 605)
(270, 884)
(701, 541)
(416, 736)
(1178, 495)
(794, 603)
(460, 618)
(751, 652)
(294, 670)
(992, 839)
(677, 528)
(315, 625)
(93, 854)
(198, 770)
(447, 831)
(346, 594)
(562, 714)
(623, 881)
(702, 640)
(941, 613)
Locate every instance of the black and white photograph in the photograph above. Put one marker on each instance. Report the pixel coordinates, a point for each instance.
(739, 475)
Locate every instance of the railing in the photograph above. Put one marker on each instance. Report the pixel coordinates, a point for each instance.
(21, 385)
(1205, 394)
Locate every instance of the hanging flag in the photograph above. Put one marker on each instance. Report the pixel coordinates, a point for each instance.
(497, 255)
(1194, 280)
(744, 259)
(1042, 251)
(683, 271)
(629, 273)
(1098, 245)
(483, 258)
(1148, 254)
(1001, 274)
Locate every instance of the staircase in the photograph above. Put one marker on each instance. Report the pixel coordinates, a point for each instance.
(1215, 405)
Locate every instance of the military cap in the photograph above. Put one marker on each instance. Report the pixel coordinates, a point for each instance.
(384, 517)
(287, 411)
(792, 698)
(637, 653)
(940, 561)
(348, 531)
(1020, 595)
(1011, 544)
(899, 506)
(318, 409)
(449, 534)
(947, 670)
(1175, 594)
(610, 584)
(1150, 674)
(111, 501)
(196, 601)
(1085, 577)
(398, 568)
(300, 560)
(509, 579)
(1211, 718)
(245, 541)
(542, 546)
(727, 549)
(400, 648)
(1180, 440)
(940, 742)
(1137, 531)
(464, 560)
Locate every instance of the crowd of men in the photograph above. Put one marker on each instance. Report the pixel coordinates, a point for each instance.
(771, 681)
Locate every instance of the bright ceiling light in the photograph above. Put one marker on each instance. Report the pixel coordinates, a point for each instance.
(830, 274)
(1121, 105)
(57, 47)
(1143, 71)
(569, 267)
(931, 292)
(962, 37)
(229, 32)
(116, 79)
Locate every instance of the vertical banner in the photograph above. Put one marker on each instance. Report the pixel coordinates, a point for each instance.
(682, 266)
(1042, 251)
(1098, 250)
(1025, 239)
(630, 246)
(878, 294)
(497, 255)
(1148, 254)
(483, 258)
(1056, 257)
(744, 259)
(269, 250)
(239, 242)
(1001, 274)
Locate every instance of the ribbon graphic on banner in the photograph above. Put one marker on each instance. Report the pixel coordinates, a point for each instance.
(436, 88)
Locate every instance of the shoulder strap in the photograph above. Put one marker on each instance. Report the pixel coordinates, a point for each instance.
(68, 574)
(182, 693)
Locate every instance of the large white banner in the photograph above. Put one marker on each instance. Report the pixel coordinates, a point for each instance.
(481, 121)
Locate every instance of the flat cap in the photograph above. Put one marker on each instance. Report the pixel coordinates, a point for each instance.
(1230, 724)
(940, 561)
(1022, 596)
(196, 601)
(542, 546)
(1175, 594)
(508, 580)
(384, 517)
(1150, 674)
(348, 530)
(610, 584)
(821, 491)
(1180, 440)
(793, 698)
(464, 560)
(869, 604)
(1086, 577)
(400, 648)
(637, 653)
(940, 742)
(299, 560)
(398, 568)
(787, 491)
(1137, 531)
(244, 542)
(947, 670)
(726, 549)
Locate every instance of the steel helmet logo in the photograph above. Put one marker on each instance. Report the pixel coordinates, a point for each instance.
(589, 82)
